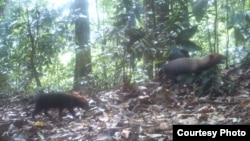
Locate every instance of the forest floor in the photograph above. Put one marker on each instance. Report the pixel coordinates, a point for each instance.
(133, 113)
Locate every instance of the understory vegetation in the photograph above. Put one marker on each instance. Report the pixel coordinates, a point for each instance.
(129, 42)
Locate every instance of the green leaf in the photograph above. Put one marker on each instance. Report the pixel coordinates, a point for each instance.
(235, 19)
(199, 8)
(187, 33)
(187, 45)
(175, 52)
(247, 16)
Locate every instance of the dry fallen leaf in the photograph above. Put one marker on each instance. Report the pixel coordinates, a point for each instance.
(126, 133)
(39, 124)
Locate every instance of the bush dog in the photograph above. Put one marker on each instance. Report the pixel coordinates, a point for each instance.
(189, 65)
(60, 101)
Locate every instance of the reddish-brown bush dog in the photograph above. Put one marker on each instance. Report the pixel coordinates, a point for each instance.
(189, 65)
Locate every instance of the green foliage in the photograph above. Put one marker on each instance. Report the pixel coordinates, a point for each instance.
(210, 83)
(58, 77)
(182, 44)
(130, 46)
(136, 41)
(199, 8)
(4, 83)
(131, 38)
(186, 34)
(246, 60)
(239, 21)
(247, 17)
(119, 47)
(229, 86)
(236, 18)
(33, 36)
(206, 83)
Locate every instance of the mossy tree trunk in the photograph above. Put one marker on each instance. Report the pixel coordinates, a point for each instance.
(83, 51)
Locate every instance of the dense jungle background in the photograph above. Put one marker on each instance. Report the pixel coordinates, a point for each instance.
(111, 51)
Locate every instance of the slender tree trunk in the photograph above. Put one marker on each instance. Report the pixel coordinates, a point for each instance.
(32, 66)
(82, 34)
(216, 41)
(147, 56)
(208, 34)
(228, 36)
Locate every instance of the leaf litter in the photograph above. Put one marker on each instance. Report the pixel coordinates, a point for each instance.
(139, 113)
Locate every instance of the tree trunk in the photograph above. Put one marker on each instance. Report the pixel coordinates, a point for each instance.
(147, 56)
(32, 66)
(83, 52)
